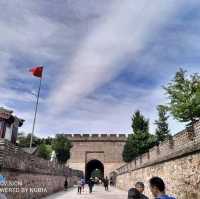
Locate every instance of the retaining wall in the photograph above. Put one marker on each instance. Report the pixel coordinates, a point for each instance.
(176, 160)
(30, 177)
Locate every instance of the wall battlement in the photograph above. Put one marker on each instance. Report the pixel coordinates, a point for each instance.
(181, 144)
(97, 137)
(176, 161)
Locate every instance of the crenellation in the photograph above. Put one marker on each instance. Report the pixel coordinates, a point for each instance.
(86, 135)
(179, 145)
(96, 138)
(104, 135)
(68, 135)
(113, 135)
(107, 148)
(77, 135)
(95, 135)
(122, 135)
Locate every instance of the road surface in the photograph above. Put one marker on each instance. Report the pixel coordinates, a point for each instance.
(99, 193)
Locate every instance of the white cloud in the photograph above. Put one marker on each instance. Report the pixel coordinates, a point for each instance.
(94, 54)
(118, 36)
(107, 114)
(5, 60)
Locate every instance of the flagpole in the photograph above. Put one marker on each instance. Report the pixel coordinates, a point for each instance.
(35, 115)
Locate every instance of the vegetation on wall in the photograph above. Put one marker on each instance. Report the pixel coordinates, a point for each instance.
(141, 140)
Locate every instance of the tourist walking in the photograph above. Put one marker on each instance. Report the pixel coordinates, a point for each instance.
(157, 187)
(106, 183)
(79, 186)
(140, 187)
(111, 181)
(66, 184)
(82, 184)
(90, 185)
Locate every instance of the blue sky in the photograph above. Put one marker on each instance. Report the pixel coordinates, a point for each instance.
(103, 60)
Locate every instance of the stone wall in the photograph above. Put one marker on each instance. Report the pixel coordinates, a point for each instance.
(30, 177)
(103, 147)
(176, 160)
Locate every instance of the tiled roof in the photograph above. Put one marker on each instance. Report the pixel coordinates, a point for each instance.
(7, 115)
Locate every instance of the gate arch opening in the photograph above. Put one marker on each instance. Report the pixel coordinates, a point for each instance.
(92, 166)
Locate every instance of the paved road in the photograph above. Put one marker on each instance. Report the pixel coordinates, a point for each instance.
(99, 193)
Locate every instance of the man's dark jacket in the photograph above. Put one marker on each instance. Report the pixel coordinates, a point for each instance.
(131, 193)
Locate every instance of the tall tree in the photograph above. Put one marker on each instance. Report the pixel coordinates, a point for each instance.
(162, 130)
(141, 140)
(139, 123)
(130, 150)
(61, 146)
(44, 151)
(184, 96)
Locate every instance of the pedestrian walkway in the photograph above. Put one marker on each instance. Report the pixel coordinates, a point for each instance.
(99, 193)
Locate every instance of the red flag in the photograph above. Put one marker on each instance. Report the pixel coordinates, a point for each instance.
(37, 71)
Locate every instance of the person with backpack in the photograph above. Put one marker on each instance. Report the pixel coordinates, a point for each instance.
(157, 187)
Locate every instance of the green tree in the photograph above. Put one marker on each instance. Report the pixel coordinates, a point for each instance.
(162, 130)
(23, 140)
(139, 123)
(44, 151)
(130, 150)
(48, 140)
(184, 96)
(140, 141)
(61, 146)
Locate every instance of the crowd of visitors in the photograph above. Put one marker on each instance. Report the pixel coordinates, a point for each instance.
(156, 185)
(91, 182)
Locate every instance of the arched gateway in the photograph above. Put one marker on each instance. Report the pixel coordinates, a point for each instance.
(92, 166)
(102, 152)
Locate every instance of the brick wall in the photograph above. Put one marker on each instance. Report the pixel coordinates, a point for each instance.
(36, 177)
(107, 148)
(176, 160)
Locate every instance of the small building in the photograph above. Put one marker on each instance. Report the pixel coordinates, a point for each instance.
(9, 125)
